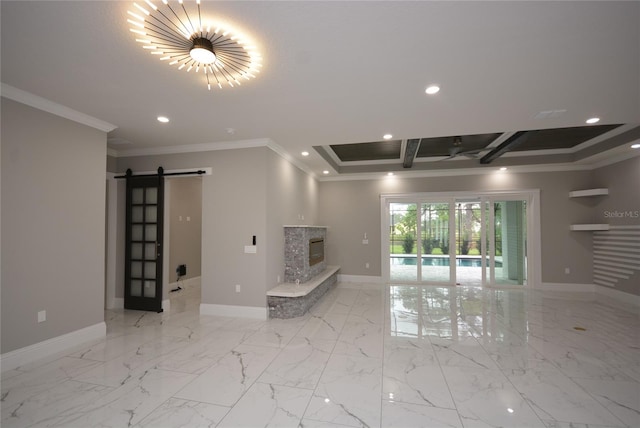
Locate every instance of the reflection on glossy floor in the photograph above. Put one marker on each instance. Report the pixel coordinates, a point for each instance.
(367, 355)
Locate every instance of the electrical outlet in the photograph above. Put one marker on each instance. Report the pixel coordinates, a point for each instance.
(366, 265)
(237, 288)
(42, 316)
(567, 271)
(278, 280)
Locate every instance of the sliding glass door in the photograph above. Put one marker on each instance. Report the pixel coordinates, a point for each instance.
(419, 241)
(507, 237)
(464, 240)
(435, 242)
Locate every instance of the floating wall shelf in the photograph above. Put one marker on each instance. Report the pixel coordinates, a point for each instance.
(583, 194)
(588, 192)
(589, 227)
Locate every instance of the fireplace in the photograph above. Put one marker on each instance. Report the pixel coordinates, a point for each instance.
(316, 251)
(303, 252)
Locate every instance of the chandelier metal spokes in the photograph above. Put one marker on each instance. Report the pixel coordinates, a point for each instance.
(184, 40)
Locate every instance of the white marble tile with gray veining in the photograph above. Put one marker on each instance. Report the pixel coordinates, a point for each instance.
(348, 392)
(230, 377)
(300, 363)
(268, 405)
(183, 413)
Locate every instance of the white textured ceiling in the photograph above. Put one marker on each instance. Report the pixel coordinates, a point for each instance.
(338, 72)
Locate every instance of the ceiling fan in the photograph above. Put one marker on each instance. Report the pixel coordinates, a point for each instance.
(457, 149)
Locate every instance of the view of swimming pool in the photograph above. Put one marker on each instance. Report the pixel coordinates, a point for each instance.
(440, 261)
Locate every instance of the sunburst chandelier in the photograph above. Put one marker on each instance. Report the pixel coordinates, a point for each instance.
(183, 39)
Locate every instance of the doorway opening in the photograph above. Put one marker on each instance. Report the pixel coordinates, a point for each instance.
(181, 239)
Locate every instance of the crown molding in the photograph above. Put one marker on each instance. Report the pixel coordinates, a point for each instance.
(459, 172)
(206, 147)
(44, 104)
(292, 160)
(615, 159)
(192, 148)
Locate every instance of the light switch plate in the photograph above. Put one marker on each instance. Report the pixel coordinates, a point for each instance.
(250, 249)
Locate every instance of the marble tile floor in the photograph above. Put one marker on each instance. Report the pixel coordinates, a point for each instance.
(366, 356)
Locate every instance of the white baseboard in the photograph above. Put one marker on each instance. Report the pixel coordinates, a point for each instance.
(233, 311)
(116, 303)
(360, 278)
(565, 287)
(619, 296)
(46, 348)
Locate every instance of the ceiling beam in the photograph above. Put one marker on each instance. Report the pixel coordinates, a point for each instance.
(509, 144)
(410, 152)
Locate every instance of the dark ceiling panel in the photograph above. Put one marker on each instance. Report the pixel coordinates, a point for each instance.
(561, 138)
(445, 146)
(378, 150)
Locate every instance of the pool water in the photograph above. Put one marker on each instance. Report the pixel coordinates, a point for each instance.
(440, 261)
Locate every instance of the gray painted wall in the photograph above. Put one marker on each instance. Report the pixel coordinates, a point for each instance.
(292, 198)
(250, 192)
(112, 164)
(621, 207)
(185, 225)
(352, 208)
(233, 210)
(53, 225)
(623, 181)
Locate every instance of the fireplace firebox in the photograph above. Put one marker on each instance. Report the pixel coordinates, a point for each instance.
(316, 251)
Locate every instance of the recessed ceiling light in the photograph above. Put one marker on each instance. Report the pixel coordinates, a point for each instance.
(390, 174)
(504, 168)
(635, 146)
(433, 89)
(305, 153)
(593, 120)
(387, 136)
(325, 172)
(163, 119)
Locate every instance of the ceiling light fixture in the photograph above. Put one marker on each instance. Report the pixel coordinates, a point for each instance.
(390, 174)
(593, 120)
(387, 136)
(433, 89)
(635, 146)
(163, 119)
(183, 39)
(504, 168)
(305, 153)
(325, 172)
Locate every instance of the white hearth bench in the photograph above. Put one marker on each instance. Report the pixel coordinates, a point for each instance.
(290, 300)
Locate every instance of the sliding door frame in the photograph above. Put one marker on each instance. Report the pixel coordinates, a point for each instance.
(532, 198)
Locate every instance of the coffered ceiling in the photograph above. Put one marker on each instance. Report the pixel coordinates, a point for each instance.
(518, 81)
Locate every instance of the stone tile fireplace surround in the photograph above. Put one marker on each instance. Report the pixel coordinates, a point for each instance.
(307, 278)
(296, 253)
